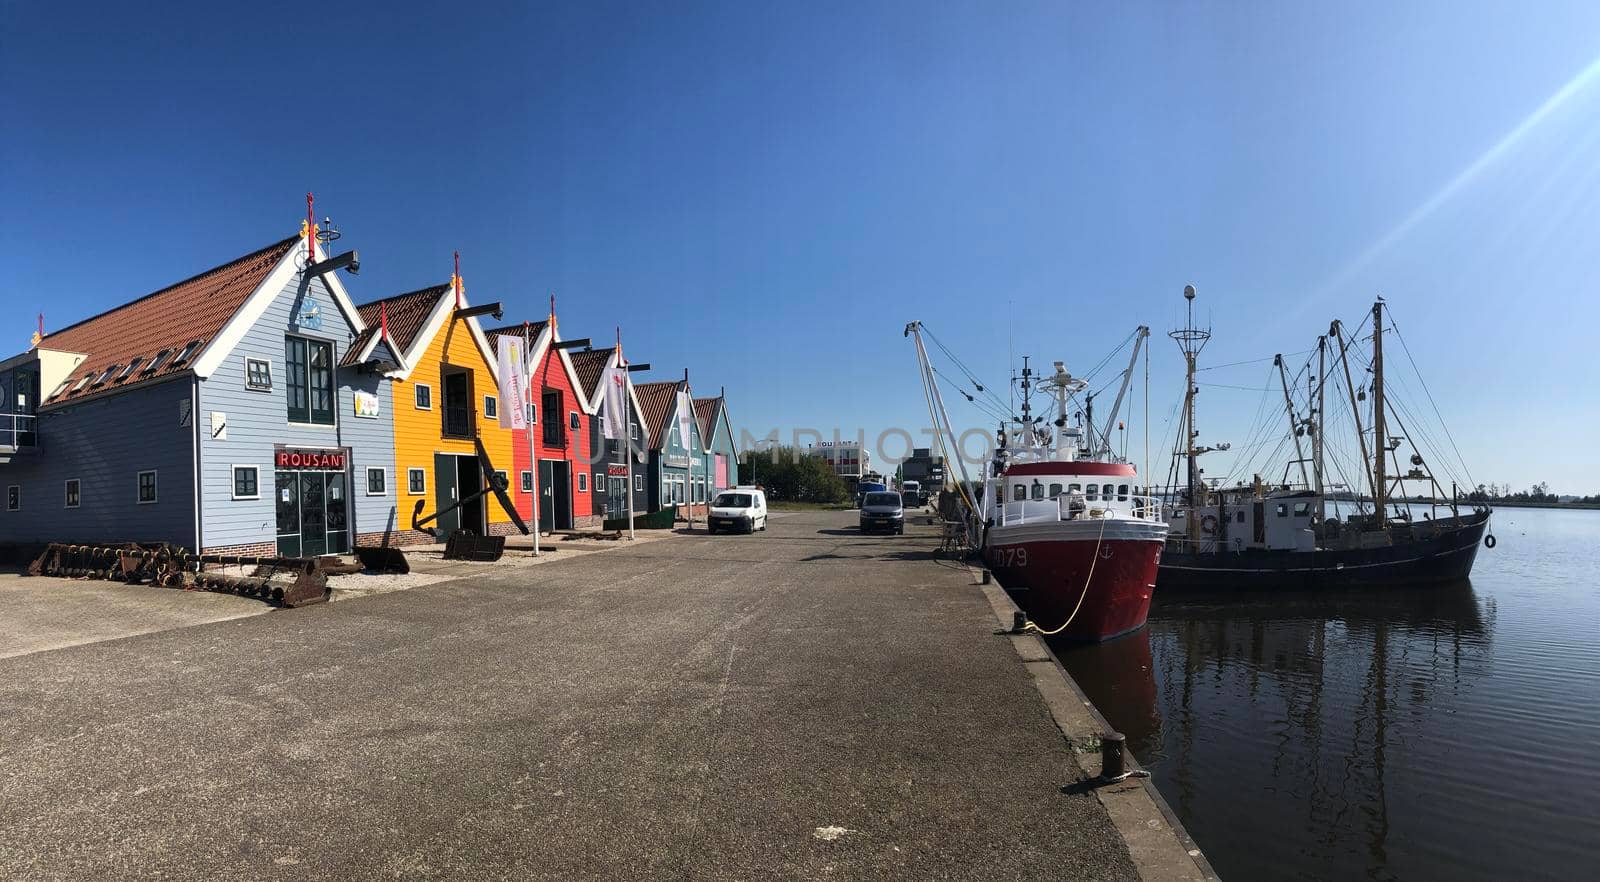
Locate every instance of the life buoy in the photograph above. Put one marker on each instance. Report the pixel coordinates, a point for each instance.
(1208, 525)
(1488, 541)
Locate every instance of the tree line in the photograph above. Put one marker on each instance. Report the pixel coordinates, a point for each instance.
(789, 475)
(1539, 492)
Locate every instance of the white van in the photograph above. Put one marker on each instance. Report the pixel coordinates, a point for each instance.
(742, 509)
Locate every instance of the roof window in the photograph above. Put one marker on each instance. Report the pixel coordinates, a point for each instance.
(61, 388)
(106, 375)
(188, 350)
(132, 366)
(160, 359)
(84, 381)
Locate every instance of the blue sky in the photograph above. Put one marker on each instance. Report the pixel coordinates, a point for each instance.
(765, 193)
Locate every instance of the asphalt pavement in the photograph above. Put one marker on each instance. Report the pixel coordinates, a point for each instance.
(803, 703)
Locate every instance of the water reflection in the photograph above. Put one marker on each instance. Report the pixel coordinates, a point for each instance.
(1295, 732)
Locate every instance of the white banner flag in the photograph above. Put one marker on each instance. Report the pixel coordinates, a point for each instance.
(511, 372)
(685, 413)
(616, 402)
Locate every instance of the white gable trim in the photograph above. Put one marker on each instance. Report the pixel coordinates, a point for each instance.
(419, 344)
(245, 317)
(255, 306)
(546, 337)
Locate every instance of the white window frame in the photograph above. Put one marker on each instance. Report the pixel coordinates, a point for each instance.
(424, 490)
(533, 413)
(583, 482)
(65, 499)
(573, 422)
(233, 481)
(416, 390)
(599, 482)
(383, 471)
(249, 386)
(525, 481)
(638, 483)
(155, 484)
(9, 506)
(491, 407)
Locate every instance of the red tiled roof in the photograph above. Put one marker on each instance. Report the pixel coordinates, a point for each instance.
(192, 311)
(407, 314)
(656, 400)
(590, 365)
(705, 410)
(534, 330)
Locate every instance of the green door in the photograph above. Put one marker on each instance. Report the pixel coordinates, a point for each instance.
(445, 494)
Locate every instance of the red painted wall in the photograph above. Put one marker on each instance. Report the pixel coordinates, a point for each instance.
(552, 374)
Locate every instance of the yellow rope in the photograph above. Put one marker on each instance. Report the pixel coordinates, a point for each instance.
(1035, 629)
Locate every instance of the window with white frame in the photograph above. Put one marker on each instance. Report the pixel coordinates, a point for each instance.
(638, 483)
(424, 396)
(527, 482)
(572, 419)
(491, 407)
(258, 374)
(147, 487)
(583, 482)
(416, 482)
(599, 481)
(246, 482)
(73, 492)
(533, 413)
(14, 498)
(377, 481)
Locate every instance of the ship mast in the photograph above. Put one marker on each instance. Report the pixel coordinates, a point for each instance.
(1380, 438)
(1294, 421)
(1190, 340)
(1336, 330)
(1316, 423)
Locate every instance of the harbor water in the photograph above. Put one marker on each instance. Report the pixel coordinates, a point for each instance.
(1448, 732)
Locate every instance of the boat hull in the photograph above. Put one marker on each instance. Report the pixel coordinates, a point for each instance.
(1047, 568)
(1444, 556)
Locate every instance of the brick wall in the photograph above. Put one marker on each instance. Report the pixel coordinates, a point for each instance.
(255, 549)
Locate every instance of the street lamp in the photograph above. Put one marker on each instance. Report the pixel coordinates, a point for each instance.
(752, 452)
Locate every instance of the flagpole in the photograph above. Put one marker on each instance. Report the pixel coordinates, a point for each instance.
(533, 444)
(627, 432)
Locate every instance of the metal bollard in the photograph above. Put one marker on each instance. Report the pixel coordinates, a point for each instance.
(1019, 621)
(1111, 756)
(986, 577)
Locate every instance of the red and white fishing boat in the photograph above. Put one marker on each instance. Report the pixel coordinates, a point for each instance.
(1065, 526)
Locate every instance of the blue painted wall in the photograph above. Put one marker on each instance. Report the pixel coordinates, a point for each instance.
(105, 443)
(258, 420)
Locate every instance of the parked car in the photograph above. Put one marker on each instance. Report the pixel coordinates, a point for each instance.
(912, 491)
(742, 509)
(883, 510)
(865, 487)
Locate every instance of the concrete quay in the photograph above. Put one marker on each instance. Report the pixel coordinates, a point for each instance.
(803, 703)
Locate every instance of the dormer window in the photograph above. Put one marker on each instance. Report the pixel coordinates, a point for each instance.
(188, 350)
(128, 371)
(160, 359)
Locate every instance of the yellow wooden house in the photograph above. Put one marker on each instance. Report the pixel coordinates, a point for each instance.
(445, 401)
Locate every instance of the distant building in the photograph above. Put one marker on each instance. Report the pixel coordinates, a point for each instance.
(849, 460)
(924, 468)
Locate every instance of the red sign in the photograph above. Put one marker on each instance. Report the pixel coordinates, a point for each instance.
(330, 460)
(616, 471)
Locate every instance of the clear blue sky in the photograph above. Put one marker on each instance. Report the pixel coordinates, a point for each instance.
(766, 193)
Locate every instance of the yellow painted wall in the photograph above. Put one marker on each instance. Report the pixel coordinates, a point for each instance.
(419, 434)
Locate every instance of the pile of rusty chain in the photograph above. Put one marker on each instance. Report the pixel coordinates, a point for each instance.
(175, 567)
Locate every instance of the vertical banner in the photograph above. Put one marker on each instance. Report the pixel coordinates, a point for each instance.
(511, 373)
(616, 402)
(685, 413)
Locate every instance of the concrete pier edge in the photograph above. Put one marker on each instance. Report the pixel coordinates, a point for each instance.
(1160, 846)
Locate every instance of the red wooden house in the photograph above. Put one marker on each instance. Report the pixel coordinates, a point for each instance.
(562, 435)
